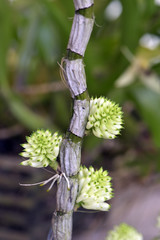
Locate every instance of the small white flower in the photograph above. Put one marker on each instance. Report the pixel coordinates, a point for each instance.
(105, 118)
(41, 149)
(94, 189)
(124, 232)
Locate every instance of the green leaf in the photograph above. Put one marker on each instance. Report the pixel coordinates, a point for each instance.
(29, 41)
(48, 42)
(5, 27)
(149, 7)
(148, 104)
(130, 23)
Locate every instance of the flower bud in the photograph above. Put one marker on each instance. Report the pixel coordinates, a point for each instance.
(105, 118)
(41, 149)
(94, 189)
(124, 232)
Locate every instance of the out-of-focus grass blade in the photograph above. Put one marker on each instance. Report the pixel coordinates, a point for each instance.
(5, 29)
(148, 104)
(59, 16)
(28, 44)
(25, 115)
(16, 106)
(48, 42)
(130, 23)
(149, 7)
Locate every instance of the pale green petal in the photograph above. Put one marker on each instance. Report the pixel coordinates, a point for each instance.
(26, 145)
(37, 164)
(97, 132)
(25, 163)
(89, 125)
(97, 206)
(25, 154)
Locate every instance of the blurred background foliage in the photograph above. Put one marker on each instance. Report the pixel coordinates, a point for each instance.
(122, 62)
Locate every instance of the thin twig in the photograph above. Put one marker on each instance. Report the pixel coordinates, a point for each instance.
(41, 88)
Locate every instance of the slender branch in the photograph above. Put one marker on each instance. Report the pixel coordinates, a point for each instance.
(40, 89)
(70, 153)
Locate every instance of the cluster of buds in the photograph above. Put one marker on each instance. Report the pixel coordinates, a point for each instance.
(41, 149)
(124, 232)
(94, 189)
(105, 118)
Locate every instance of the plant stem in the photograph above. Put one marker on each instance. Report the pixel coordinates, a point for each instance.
(70, 152)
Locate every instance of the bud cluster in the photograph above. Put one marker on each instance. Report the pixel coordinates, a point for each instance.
(94, 189)
(105, 118)
(124, 232)
(41, 149)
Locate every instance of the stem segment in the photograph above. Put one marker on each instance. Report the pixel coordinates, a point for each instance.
(70, 153)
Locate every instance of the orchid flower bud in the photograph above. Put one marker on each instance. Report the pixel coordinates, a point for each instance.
(124, 232)
(41, 149)
(105, 118)
(94, 189)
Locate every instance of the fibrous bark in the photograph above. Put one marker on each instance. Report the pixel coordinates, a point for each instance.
(70, 152)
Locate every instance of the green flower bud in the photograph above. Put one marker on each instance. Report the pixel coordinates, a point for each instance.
(94, 189)
(105, 118)
(124, 232)
(41, 149)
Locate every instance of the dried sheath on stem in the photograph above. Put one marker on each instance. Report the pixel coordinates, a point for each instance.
(70, 152)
